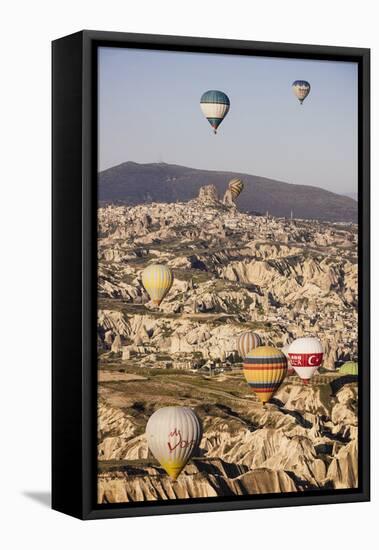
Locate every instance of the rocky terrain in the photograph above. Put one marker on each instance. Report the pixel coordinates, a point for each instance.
(133, 183)
(306, 439)
(233, 271)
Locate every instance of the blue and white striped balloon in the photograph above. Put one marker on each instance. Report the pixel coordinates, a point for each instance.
(215, 106)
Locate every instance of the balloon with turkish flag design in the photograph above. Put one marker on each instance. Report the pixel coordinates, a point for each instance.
(306, 355)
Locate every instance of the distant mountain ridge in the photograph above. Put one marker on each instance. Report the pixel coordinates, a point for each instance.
(352, 195)
(134, 183)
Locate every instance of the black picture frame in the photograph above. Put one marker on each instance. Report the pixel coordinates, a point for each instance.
(74, 204)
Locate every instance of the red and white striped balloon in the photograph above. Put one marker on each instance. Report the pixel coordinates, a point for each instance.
(306, 355)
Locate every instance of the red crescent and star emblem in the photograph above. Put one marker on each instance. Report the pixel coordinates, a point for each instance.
(306, 359)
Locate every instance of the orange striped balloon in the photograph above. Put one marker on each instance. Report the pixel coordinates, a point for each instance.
(248, 341)
(265, 368)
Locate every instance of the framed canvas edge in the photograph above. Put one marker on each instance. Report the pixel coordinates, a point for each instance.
(67, 221)
(87, 463)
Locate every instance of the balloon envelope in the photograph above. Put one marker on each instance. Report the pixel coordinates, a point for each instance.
(290, 369)
(246, 342)
(157, 280)
(173, 435)
(301, 89)
(265, 368)
(236, 186)
(350, 367)
(306, 355)
(215, 106)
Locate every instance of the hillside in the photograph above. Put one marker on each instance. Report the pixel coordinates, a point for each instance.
(134, 183)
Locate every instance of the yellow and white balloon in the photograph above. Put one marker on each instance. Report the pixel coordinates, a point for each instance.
(157, 280)
(173, 436)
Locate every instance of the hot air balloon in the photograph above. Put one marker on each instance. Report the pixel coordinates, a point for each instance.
(301, 89)
(290, 369)
(215, 106)
(265, 368)
(157, 280)
(246, 342)
(236, 186)
(306, 356)
(173, 435)
(349, 368)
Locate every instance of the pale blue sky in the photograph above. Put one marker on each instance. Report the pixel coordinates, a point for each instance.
(149, 112)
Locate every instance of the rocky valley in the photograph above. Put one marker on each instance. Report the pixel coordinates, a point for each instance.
(233, 271)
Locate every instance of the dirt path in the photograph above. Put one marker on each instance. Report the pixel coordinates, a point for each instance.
(112, 376)
(220, 393)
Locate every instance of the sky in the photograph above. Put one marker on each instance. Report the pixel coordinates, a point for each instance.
(149, 111)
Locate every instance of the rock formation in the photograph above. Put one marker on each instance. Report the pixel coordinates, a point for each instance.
(208, 195)
(228, 198)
